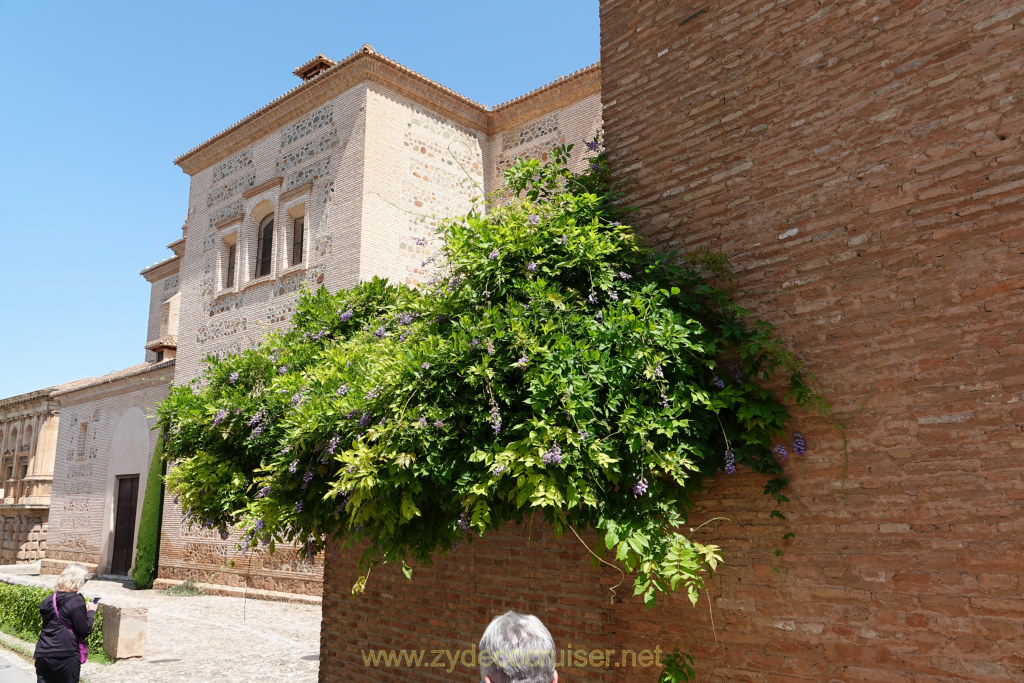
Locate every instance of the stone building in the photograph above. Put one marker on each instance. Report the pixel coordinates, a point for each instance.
(106, 440)
(334, 182)
(861, 165)
(28, 439)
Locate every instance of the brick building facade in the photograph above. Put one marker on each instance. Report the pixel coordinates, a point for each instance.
(332, 183)
(861, 165)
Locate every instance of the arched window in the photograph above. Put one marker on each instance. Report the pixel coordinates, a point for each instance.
(264, 246)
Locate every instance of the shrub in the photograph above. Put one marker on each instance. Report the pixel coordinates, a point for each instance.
(554, 367)
(147, 547)
(20, 617)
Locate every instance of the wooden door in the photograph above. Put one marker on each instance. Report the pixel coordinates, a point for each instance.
(124, 524)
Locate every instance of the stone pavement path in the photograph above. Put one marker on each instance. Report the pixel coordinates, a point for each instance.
(14, 669)
(205, 638)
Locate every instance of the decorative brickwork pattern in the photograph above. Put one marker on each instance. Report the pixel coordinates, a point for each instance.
(294, 132)
(534, 130)
(236, 163)
(306, 151)
(231, 189)
(309, 174)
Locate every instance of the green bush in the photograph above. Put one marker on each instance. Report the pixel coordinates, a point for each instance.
(147, 548)
(20, 617)
(553, 367)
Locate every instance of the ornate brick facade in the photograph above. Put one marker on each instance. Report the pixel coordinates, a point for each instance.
(369, 156)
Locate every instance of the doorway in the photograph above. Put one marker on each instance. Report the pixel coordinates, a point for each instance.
(124, 524)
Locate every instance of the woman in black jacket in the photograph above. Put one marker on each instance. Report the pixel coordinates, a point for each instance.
(57, 658)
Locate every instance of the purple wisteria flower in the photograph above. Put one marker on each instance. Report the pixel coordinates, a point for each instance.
(624, 275)
(730, 461)
(593, 145)
(402, 337)
(263, 492)
(565, 240)
(425, 366)
(599, 316)
(422, 422)
(405, 319)
(498, 469)
(658, 372)
(495, 417)
(298, 506)
(474, 343)
(283, 369)
(613, 295)
(296, 398)
(438, 424)
(595, 166)
(353, 414)
(717, 383)
(592, 298)
(294, 467)
(420, 241)
(494, 254)
(258, 526)
(640, 488)
(366, 419)
(346, 316)
(463, 522)
(552, 456)
(373, 393)
(490, 347)
(333, 444)
(665, 403)
(258, 417)
(306, 478)
(342, 390)
(257, 430)
(219, 417)
(486, 293)
(523, 361)
(534, 219)
(583, 434)
(381, 332)
(232, 378)
(426, 262)
(799, 445)
(781, 450)
(531, 266)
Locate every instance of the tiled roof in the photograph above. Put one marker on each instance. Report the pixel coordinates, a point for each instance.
(115, 376)
(367, 51)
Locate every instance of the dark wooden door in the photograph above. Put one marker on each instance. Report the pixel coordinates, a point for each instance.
(124, 524)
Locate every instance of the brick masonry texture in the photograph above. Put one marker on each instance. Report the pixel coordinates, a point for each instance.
(861, 165)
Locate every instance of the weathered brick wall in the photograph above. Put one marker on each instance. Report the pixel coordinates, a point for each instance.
(861, 165)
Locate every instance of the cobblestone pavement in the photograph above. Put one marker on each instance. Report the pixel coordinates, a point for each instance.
(204, 638)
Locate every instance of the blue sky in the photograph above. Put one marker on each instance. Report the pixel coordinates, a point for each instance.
(99, 98)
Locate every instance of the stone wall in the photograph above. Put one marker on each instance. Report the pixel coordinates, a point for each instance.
(22, 535)
(106, 431)
(861, 165)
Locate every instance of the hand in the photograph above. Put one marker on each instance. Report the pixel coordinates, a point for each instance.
(91, 606)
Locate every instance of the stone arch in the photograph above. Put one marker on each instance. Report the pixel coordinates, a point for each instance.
(129, 455)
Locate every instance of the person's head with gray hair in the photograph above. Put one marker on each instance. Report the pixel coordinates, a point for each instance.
(517, 648)
(72, 578)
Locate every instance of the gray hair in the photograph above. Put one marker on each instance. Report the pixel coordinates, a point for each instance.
(72, 578)
(517, 648)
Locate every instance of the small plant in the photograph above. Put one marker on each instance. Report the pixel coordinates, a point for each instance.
(185, 589)
(678, 668)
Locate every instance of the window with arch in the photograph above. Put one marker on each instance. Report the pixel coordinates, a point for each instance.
(298, 232)
(264, 245)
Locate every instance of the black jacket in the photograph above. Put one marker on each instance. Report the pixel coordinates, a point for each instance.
(55, 640)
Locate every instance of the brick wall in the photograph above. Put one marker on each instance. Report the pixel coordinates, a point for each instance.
(861, 165)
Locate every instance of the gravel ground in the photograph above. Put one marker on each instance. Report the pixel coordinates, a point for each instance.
(204, 638)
